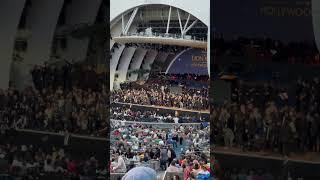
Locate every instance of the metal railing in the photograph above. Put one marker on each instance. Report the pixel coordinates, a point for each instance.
(164, 125)
(62, 134)
(164, 35)
(163, 107)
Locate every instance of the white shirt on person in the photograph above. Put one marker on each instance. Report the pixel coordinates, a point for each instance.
(162, 88)
(136, 158)
(31, 165)
(173, 169)
(169, 154)
(155, 136)
(189, 151)
(123, 122)
(121, 165)
(176, 120)
(161, 142)
(16, 163)
(48, 167)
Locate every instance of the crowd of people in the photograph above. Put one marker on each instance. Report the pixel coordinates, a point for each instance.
(155, 115)
(162, 149)
(68, 75)
(179, 148)
(268, 49)
(31, 162)
(56, 110)
(157, 47)
(163, 92)
(184, 79)
(58, 103)
(66, 99)
(270, 118)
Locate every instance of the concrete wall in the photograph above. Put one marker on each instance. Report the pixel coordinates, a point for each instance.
(80, 11)
(136, 63)
(10, 13)
(114, 62)
(41, 22)
(124, 62)
(148, 61)
(316, 21)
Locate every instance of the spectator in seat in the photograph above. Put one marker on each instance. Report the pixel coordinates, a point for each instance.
(228, 137)
(203, 174)
(121, 166)
(163, 158)
(196, 169)
(173, 167)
